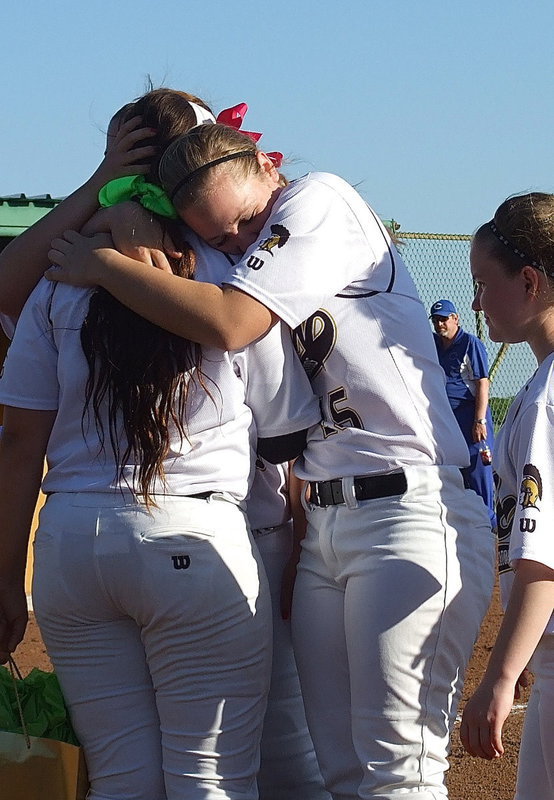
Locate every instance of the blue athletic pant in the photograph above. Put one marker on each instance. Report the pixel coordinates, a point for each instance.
(478, 476)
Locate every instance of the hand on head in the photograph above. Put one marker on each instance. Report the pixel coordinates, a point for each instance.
(122, 156)
(139, 234)
(76, 259)
(83, 260)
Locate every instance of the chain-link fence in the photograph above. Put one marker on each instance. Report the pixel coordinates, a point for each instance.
(439, 265)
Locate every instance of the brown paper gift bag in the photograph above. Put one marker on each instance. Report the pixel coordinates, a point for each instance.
(35, 767)
(44, 770)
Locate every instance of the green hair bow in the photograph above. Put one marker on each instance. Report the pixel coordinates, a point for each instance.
(135, 187)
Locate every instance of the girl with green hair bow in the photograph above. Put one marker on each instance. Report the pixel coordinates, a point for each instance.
(137, 133)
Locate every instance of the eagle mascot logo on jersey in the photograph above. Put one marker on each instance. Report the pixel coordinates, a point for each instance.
(280, 237)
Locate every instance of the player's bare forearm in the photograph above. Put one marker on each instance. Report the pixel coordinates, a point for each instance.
(22, 449)
(529, 608)
(23, 261)
(204, 313)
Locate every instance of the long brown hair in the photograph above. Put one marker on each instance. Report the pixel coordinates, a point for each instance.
(142, 373)
(169, 113)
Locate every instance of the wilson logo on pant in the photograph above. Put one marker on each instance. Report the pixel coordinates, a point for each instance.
(181, 562)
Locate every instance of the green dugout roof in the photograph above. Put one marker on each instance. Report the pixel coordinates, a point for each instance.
(18, 211)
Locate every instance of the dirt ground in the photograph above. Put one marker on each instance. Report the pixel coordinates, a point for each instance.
(469, 778)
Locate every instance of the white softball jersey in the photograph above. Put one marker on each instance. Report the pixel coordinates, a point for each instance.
(524, 465)
(45, 369)
(267, 502)
(325, 264)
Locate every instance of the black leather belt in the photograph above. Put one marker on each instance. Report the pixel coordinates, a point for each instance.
(366, 487)
(200, 495)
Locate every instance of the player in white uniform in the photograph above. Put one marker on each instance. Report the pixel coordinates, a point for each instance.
(157, 618)
(288, 763)
(512, 262)
(396, 567)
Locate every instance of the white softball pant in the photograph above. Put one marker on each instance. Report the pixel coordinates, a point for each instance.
(288, 768)
(388, 602)
(535, 770)
(159, 627)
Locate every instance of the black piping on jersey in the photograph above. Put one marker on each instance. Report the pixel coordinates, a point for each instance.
(393, 268)
(50, 301)
(363, 294)
(55, 286)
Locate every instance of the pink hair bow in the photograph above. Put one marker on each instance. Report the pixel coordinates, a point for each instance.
(276, 157)
(234, 117)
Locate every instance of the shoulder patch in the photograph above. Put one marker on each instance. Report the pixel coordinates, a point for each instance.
(280, 236)
(531, 487)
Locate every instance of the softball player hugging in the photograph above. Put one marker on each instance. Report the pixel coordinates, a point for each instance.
(152, 600)
(512, 263)
(150, 596)
(396, 568)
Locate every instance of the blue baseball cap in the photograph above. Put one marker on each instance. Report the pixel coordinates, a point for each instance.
(443, 308)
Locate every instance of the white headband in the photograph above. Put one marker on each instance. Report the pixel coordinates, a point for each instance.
(201, 114)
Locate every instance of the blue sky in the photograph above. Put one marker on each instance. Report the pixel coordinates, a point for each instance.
(436, 110)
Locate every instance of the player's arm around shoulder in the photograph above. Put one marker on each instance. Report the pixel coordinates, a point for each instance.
(23, 261)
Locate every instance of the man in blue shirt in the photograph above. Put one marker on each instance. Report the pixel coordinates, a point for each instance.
(464, 360)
